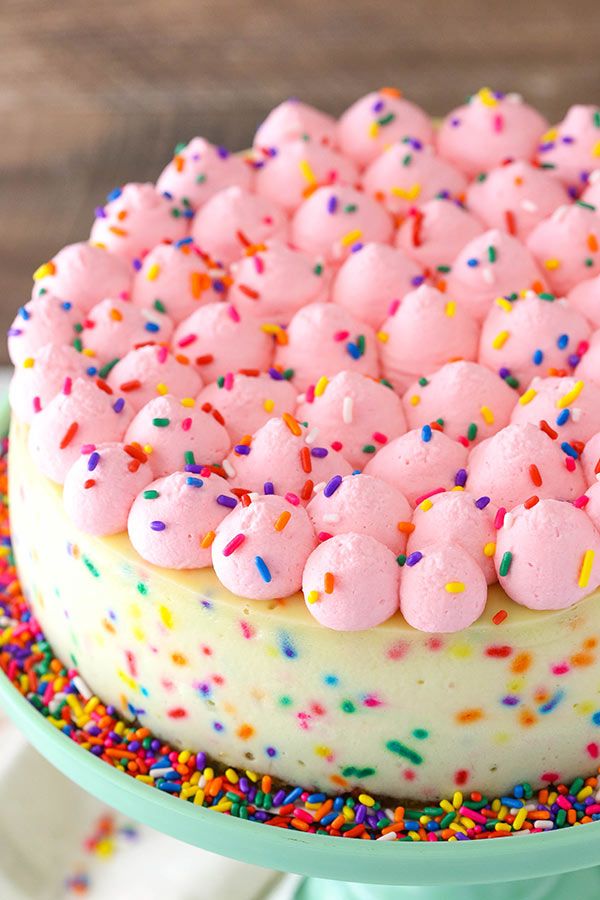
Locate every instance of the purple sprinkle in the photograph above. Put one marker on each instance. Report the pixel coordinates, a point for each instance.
(14, 332)
(319, 452)
(455, 122)
(200, 760)
(119, 404)
(157, 526)
(417, 280)
(100, 212)
(378, 106)
(574, 360)
(218, 286)
(356, 247)
(194, 468)
(567, 139)
(93, 461)
(137, 264)
(276, 375)
(332, 485)
(268, 487)
(242, 449)
(482, 502)
(503, 372)
(413, 558)
(332, 204)
(224, 500)
(223, 152)
(278, 798)
(460, 479)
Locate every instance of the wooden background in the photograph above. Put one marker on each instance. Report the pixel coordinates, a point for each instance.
(93, 94)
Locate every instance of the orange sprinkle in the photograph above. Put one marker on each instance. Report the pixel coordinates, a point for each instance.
(116, 315)
(468, 716)
(199, 282)
(527, 718)
(179, 163)
(207, 539)
(69, 435)
(534, 474)
(521, 663)
(406, 527)
(120, 232)
(307, 489)
(329, 582)
(305, 460)
(531, 501)
(592, 242)
(282, 520)
(292, 424)
(581, 660)
(245, 731)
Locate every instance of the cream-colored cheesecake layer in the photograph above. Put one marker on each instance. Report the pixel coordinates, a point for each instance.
(263, 685)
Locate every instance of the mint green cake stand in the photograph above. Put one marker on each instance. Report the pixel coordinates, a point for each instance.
(556, 865)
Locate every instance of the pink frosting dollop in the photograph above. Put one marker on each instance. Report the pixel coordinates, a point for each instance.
(365, 505)
(549, 554)
(334, 220)
(322, 339)
(490, 266)
(135, 218)
(355, 413)
(275, 282)
(531, 336)
(217, 339)
(199, 170)
(590, 459)
(585, 297)
(45, 320)
(515, 197)
(260, 550)
(295, 169)
(457, 517)
(488, 130)
(34, 384)
(408, 172)
(464, 394)
(570, 149)
(81, 414)
(175, 435)
(444, 591)
(373, 279)
(293, 120)
(176, 279)
(419, 464)
(589, 367)
(434, 234)
(84, 274)
(151, 370)
(363, 577)
(113, 327)
(379, 119)
(520, 462)
(247, 402)
(569, 405)
(172, 523)
(425, 331)
(279, 457)
(101, 486)
(233, 220)
(567, 246)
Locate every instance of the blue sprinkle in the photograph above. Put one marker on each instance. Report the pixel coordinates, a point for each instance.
(286, 645)
(194, 482)
(263, 569)
(152, 326)
(242, 449)
(67, 305)
(91, 371)
(24, 313)
(563, 417)
(538, 358)
(114, 194)
(562, 341)
(569, 450)
(426, 433)
(353, 350)
(472, 263)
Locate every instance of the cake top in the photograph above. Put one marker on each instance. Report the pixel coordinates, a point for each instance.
(361, 360)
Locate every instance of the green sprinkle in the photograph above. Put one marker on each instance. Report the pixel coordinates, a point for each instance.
(351, 771)
(386, 120)
(288, 374)
(179, 147)
(91, 567)
(142, 588)
(407, 159)
(597, 119)
(586, 205)
(159, 306)
(220, 381)
(175, 213)
(447, 820)
(472, 431)
(78, 328)
(104, 371)
(505, 564)
(369, 448)
(545, 296)
(151, 495)
(285, 700)
(402, 750)
(161, 423)
(347, 706)
(512, 381)
(444, 269)
(77, 343)
(481, 177)
(386, 383)
(350, 208)
(318, 269)
(440, 422)
(423, 382)
(588, 262)
(492, 254)
(420, 734)
(189, 458)
(361, 343)
(401, 559)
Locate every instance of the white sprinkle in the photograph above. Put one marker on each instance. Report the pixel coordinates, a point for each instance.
(331, 518)
(390, 836)
(559, 213)
(575, 413)
(544, 824)
(508, 520)
(594, 176)
(301, 398)
(82, 687)
(319, 487)
(229, 470)
(487, 275)
(529, 206)
(312, 435)
(254, 495)
(347, 410)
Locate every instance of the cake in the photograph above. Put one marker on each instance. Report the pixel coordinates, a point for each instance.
(305, 444)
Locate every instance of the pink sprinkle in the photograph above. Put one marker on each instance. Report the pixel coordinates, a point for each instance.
(582, 501)
(268, 220)
(123, 295)
(67, 386)
(187, 340)
(582, 348)
(592, 749)
(259, 264)
(162, 354)
(499, 519)
(37, 405)
(462, 440)
(550, 776)
(309, 396)
(324, 536)
(562, 801)
(88, 448)
(294, 499)
(205, 472)
(337, 446)
(341, 335)
(473, 814)
(560, 669)
(570, 463)
(186, 424)
(432, 493)
(379, 437)
(233, 313)
(233, 544)
(303, 814)
(228, 382)
(393, 308)
(498, 123)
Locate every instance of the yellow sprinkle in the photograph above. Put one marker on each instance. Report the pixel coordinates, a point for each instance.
(42, 271)
(188, 402)
(28, 363)
(504, 304)
(446, 806)
(489, 549)
(148, 449)
(166, 616)
(373, 130)
(586, 568)
(199, 798)
(162, 389)
(487, 414)
(351, 237)
(366, 800)
(268, 405)
(457, 800)
(466, 822)
(487, 97)
(87, 351)
(414, 400)
(184, 757)
(450, 309)
(232, 776)
(321, 385)
(502, 826)
(500, 339)
(550, 135)
(455, 587)
(552, 263)
(307, 171)
(152, 272)
(570, 396)
(527, 397)
(410, 193)
(584, 792)
(383, 336)
(313, 596)
(520, 818)
(425, 505)
(596, 149)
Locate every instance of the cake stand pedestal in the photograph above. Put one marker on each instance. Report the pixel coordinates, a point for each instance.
(555, 865)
